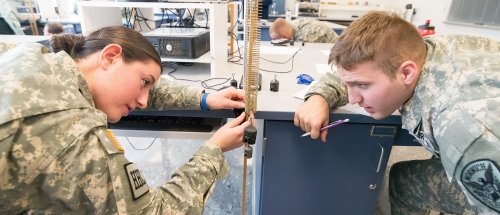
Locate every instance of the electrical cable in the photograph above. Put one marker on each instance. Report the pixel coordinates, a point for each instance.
(143, 19)
(239, 56)
(162, 17)
(204, 83)
(141, 149)
(292, 58)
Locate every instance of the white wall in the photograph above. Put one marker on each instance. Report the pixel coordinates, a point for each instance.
(47, 8)
(290, 5)
(437, 11)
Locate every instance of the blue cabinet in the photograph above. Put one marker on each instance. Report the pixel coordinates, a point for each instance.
(264, 33)
(305, 176)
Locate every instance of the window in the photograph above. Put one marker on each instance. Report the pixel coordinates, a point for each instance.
(477, 12)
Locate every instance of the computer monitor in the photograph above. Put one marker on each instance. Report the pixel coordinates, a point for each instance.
(264, 4)
(265, 8)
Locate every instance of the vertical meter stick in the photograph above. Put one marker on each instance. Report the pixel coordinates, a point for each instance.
(251, 73)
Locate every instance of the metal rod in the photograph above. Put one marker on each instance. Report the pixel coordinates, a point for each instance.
(244, 187)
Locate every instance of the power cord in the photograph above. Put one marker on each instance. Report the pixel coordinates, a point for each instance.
(292, 58)
(206, 84)
(235, 59)
(140, 149)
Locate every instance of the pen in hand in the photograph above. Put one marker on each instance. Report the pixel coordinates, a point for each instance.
(333, 124)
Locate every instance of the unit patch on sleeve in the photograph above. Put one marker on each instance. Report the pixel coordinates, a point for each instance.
(136, 181)
(482, 179)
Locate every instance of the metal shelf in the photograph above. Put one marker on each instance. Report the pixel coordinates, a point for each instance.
(98, 14)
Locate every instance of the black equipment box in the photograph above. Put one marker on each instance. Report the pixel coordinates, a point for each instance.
(179, 42)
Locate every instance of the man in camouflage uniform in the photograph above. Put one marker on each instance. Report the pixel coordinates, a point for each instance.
(303, 29)
(57, 156)
(447, 89)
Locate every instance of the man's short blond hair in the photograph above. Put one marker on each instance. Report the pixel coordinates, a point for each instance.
(380, 37)
(280, 28)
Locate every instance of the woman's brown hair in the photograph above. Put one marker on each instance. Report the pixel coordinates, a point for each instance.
(135, 47)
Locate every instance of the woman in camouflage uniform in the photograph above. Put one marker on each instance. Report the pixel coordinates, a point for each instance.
(56, 155)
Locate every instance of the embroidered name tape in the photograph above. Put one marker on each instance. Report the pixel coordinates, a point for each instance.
(137, 183)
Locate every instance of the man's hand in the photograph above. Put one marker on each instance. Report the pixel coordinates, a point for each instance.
(228, 98)
(312, 115)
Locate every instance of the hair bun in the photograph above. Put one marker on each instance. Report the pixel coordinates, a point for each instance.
(69, 43)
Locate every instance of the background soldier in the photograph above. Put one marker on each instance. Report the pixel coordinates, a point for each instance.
(52, 28)
(302, 29)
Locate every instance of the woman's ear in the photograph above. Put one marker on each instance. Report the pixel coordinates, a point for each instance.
(409, 72)
(109, 55)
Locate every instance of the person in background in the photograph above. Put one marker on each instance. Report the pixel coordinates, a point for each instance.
(447, 89)
(302, 29)
(52, 28)
(57, 155)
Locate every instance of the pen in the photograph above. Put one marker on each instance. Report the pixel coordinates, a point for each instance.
(333, 124)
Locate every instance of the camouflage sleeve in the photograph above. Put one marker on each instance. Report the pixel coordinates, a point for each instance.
(185, 193)
(311, 30)
(467, 43)
(6, 46)
(192, 184)
(470, 147)
(167, 95)
(76, 168)
(10, 178)
(320, 34)
(300, 22)
(127, 191)
(94, 177)
(330, 87)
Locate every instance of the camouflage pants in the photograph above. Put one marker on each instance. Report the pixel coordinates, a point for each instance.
(421, 186)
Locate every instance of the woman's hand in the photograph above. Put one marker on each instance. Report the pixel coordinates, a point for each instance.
(230, 136)
(228, 98)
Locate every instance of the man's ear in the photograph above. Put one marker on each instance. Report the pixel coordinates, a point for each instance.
(409, 72)
(109, 55)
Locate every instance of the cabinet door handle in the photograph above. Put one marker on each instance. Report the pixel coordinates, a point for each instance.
(381, 157)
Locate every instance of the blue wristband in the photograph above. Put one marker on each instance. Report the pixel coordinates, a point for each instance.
(203, 103)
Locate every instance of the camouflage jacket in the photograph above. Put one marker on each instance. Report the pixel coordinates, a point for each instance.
(454, 112)
(313, 31)
(56, 156)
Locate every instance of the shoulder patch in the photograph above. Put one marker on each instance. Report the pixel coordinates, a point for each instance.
(136, 181)
(482, 179)
(113, 139)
